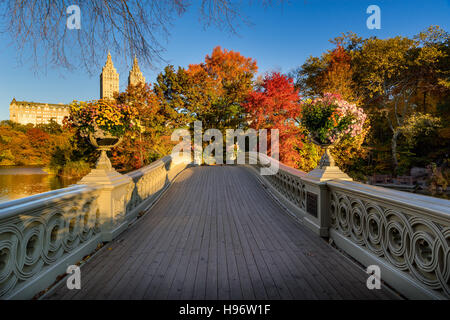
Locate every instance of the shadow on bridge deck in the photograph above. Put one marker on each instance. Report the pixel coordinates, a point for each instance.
(217, 234)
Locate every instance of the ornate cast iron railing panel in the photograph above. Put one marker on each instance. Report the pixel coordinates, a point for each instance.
(38, 231)
(410, 232)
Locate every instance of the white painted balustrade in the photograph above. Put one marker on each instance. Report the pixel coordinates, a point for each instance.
(41, 235)
(406, 235)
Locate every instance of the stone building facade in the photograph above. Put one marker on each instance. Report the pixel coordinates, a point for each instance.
(36, 113)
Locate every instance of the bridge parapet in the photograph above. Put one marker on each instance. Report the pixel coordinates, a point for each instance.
(406, 235)
(41, 235)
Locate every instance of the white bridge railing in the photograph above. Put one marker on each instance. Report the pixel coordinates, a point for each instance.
(406, 235)
(41, 235)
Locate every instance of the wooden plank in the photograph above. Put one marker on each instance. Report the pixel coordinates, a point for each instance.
(203, 258)
(286, 285)
(289, 266)
(240, 225)
(234, 243)
(299, 265)
(234, 277)
(132, 250)
(187, 290)
(161, 289)
(177, 284)
(167, 267)
(99, 264)
(211, 290)
(154, 257)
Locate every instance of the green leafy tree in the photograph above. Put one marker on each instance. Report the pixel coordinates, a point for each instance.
(391, 72)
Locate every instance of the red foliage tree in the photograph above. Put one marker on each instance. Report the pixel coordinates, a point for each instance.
(38, 138)
(275, 105)
(40, 145)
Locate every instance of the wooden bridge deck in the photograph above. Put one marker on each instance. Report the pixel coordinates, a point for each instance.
(217, 234)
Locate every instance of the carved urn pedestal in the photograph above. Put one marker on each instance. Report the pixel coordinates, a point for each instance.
(103, 173)
(115, 189)
(327, 169)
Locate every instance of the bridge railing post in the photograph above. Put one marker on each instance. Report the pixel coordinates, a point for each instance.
(316, 216)
(318, 196)
(114, 194)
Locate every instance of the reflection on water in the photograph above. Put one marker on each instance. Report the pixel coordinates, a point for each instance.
(19, 182)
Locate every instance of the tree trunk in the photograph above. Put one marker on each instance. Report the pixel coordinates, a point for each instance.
(394, 151)
(141, 156)
(424, 102)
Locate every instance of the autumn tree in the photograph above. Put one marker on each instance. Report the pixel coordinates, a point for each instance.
(153, 140)
(15, 148)
(218, 87)
(275, 105)
(431, 67)
(172, 90)
(392, 72)
(45, 145)
(330, 73)
(338, 76)
(392, 79)
(308, 77)
(211, 92)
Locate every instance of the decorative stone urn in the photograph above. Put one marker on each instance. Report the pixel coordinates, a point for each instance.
(326, 169)
(104, 142)
(103, 173)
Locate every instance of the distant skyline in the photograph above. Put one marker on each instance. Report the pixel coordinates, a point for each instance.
(280, 38)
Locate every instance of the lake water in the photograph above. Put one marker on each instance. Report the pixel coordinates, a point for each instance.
(19, 182)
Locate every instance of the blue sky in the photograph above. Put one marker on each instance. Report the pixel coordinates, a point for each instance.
(280, 38)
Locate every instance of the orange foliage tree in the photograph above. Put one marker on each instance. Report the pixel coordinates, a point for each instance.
(153, 141)
(219, 86)
(338, 76)
(338, 79)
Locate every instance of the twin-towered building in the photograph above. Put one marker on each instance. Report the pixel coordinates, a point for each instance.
(36, 112)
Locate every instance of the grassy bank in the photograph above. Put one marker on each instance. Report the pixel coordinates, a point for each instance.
(72, 169)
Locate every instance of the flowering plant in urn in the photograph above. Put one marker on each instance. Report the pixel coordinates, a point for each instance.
(330, 118)
(105, 123)
(103, 115)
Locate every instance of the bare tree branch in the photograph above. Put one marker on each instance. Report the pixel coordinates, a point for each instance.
(125, 27)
